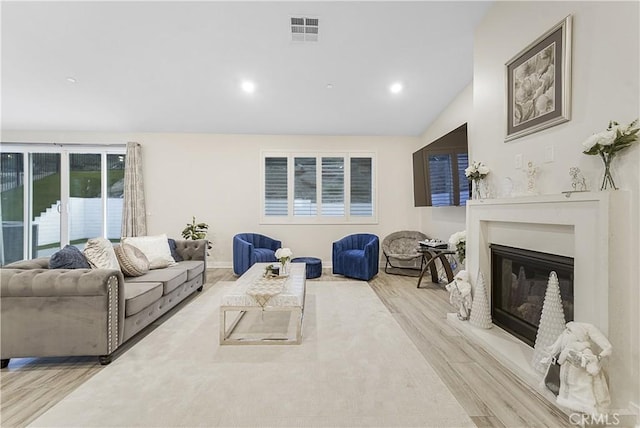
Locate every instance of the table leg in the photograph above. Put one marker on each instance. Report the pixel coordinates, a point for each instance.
(431, 266)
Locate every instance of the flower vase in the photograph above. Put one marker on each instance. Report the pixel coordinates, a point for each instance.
(607, 179)
(284, 268)
(478, 189)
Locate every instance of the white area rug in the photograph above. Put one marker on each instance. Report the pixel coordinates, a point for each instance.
(356, 367)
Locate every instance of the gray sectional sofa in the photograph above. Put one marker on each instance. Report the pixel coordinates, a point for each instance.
(70, 312)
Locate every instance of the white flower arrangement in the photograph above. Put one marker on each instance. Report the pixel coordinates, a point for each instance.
(608, 143)
(476, 170)
(283, 254)
(615, 138)
(459, 241)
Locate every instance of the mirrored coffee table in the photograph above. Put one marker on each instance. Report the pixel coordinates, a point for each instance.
(257, 308)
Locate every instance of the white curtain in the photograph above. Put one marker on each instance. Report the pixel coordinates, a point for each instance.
(134, 219)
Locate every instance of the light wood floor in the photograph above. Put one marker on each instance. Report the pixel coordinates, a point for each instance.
(491, 395)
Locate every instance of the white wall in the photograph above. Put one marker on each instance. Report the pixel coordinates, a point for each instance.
(605, 87)
(217, 179)
(442, 222)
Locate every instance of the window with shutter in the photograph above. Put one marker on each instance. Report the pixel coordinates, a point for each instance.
(333, 186)
(361, 187)
(275, 186)
(305, 188)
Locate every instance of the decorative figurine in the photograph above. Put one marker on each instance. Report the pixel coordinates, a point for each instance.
(531, 172)
(583, 386)
(578, 183)
(460, 294)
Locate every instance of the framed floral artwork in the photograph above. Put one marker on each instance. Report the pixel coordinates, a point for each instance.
(539, 83)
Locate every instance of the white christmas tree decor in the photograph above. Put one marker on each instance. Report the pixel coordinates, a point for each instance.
(480, 310)
(552, 323)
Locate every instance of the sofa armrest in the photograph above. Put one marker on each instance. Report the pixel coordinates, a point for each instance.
(56, 282)
(61, 312)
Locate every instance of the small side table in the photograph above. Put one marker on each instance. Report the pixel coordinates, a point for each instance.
(430, 256)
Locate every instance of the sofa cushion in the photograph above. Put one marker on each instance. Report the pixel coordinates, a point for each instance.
(170, 278)
(155, 248)
(139, 295)
(100, 255)
(132, 261)
(193, 267)
(69, 257)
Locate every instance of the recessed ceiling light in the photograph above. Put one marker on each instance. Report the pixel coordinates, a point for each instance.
(248, 86)
(71, 79)
(396, 88)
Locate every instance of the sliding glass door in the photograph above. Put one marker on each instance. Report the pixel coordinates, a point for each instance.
(60, 196)
(44, 197)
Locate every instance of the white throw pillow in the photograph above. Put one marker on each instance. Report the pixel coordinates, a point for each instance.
(100, 254)
(155, 248)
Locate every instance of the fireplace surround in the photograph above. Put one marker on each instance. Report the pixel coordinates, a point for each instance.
(594, 229)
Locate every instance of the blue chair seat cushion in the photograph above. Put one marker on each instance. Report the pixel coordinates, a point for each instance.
(264, 255)
(313, 269)
(353, 256)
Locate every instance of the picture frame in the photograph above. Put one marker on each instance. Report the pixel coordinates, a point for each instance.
(538, 80)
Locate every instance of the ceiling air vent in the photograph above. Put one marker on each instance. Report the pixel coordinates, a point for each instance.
(304, 29)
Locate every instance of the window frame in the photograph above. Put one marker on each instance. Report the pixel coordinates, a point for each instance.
(347, 218)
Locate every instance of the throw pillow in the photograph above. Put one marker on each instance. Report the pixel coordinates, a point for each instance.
(132, 261)
(174, 250)
(69, 257)
(155, 248)
(100, 255)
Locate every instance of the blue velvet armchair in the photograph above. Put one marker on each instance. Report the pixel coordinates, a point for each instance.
(251, 248)
(356, 256)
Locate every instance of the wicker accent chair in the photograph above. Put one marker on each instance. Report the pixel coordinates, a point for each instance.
(401, 247)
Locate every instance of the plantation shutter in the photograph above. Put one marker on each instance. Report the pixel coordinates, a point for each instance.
(361, 187)
(333, 186)
(304, 187)
(275, 186)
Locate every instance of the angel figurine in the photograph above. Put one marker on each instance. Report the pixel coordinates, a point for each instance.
(460, 294)
(583, 386)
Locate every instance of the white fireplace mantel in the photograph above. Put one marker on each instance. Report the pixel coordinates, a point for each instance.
(579, 225)
(595, 228)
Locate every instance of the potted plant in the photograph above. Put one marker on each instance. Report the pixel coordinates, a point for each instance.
(196, 231)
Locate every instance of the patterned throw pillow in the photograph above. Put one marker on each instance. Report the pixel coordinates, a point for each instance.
(155, 248)
(132, 261)
(99, 252)
(69, 257)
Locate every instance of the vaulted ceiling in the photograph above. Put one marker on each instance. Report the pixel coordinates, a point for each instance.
(179, 66)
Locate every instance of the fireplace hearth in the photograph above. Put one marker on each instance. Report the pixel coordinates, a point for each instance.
(519, 280)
